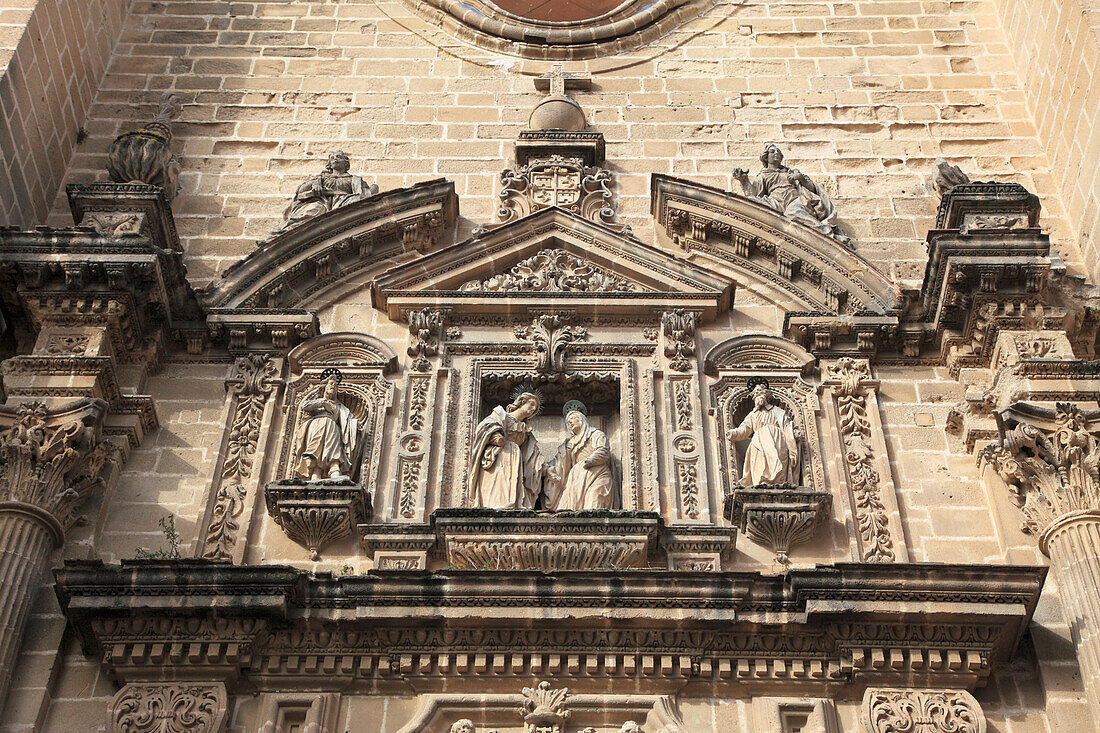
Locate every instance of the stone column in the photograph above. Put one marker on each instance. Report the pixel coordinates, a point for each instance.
(1048, 459)
(49, 461)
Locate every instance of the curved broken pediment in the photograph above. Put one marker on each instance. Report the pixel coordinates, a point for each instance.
(755, 350)
(813, 268)
(291, 267)
(551, 260)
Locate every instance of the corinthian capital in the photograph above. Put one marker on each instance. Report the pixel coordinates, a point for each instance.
(1049, 459)
(51, 460)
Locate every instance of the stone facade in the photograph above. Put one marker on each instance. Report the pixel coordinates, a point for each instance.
(354, 432)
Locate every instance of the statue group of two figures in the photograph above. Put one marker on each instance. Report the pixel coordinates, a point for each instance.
(505, 470)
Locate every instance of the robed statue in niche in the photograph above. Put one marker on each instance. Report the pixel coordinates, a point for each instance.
(773, 455)
(330, 438)
(504, 463)
(579, 477)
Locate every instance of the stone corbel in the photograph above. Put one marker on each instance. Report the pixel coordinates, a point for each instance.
(887, 710)
(168, 707)
(853, 413)
(248, 417)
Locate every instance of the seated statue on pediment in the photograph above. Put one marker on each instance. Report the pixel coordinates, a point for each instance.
(791, 193)
(335, 187)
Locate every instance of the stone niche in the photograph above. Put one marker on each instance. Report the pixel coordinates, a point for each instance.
(334, 411)
(786, 513)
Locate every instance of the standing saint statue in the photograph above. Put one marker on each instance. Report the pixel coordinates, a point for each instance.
(329, 442)
(791, 193)
(504, 463)
(335, 187)
(773, 455)
(580, 476)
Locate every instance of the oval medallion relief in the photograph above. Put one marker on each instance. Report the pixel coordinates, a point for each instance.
(559, 29)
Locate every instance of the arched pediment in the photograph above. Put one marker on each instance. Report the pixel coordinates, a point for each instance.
(813, 268)
(551, 260)
(342, 349)
(289, 268)
(758, 350)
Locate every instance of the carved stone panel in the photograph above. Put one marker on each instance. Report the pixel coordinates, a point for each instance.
(921, 711)
(168, 707)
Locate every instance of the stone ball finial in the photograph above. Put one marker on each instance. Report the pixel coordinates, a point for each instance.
(557, 113)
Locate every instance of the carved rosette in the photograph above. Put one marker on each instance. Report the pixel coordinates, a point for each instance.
(851, 378)
(779, 517)
(314, 514)
(254, 380)
(921, 711)
(168, 707)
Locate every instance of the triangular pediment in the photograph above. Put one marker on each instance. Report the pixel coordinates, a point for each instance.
(552, 259)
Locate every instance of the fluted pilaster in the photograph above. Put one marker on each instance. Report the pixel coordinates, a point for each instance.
(1073, 544)
(26, 540)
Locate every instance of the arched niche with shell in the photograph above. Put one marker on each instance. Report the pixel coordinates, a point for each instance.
(738, 364)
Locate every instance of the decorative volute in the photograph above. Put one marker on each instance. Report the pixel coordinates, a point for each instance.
(51, 460)
(1049, 460)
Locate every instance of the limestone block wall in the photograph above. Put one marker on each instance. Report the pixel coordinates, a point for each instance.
(861, 95)
(53, 56)
(1057, 48)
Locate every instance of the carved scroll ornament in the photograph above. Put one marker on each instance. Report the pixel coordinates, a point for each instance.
(168, 707)
(53, 467)
(255, 378)
(855, 429)
(920, 711)
(553, 270)
(1050, 473)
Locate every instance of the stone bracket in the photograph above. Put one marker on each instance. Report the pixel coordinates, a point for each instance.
(313, 514)
(780, 517)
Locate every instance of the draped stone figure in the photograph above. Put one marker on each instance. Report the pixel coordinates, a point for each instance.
(791, 193)
(579, 477)
(335, 187)
(504, 463)
(773, 454)
(329, 442)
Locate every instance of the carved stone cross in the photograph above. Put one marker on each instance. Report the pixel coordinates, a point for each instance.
(558, 80)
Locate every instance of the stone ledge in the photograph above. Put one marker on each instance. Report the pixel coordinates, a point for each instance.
(847, 625)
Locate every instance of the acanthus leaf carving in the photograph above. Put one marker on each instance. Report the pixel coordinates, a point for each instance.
(921, 711)
(552, 338)
(425, 326)
(553, 270)
(855, 429)
(544, 709)
(168, 707)
(1050, 473)
(255, 378)
(54, 467)
(678, 327)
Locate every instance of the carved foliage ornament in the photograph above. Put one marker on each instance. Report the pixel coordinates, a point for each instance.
(255, 378)
(679, 330)
(1050, 473)
(424, 328)
(172, 707)
(919, 711)
(855, 430)
(51, 468)
(552, 339)
(544, 710)
(553, 270)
